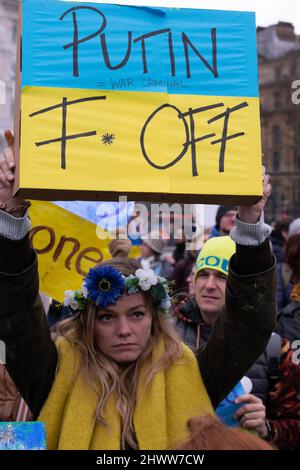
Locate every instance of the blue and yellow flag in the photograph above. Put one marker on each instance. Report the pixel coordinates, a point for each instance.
(72, 237)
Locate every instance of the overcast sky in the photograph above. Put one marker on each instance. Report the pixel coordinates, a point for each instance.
(267, 12)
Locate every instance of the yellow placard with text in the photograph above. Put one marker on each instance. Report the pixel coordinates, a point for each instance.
(91, 140)
(67, 247)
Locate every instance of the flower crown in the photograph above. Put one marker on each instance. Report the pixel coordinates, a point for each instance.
(105, 285)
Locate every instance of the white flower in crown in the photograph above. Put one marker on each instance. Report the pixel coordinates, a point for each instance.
(70, 300)
(147, 278)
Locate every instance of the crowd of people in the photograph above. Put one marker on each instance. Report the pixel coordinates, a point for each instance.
(138, 363)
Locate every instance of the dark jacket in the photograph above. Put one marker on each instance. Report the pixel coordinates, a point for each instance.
(239, 336)
(289, 321)
(284, 285)
(194, 332)
(265, 372)
(278, 247)
(189, 324)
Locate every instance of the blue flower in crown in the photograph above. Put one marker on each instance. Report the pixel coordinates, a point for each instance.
(105, 285)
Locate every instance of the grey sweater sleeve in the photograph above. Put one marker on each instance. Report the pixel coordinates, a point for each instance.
(14, 228)
(250, 234)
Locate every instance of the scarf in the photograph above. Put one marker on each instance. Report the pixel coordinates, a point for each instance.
(161, 412)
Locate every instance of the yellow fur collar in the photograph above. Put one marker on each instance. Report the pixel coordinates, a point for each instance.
(160, 416)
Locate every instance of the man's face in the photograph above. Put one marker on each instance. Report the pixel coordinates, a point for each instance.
(210, 288)
(227, 222)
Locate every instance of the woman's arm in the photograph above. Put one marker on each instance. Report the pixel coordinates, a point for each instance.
(31, 357)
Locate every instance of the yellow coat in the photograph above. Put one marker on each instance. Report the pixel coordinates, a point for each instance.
(161, 413)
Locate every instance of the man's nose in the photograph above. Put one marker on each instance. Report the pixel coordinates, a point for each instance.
(210, 282)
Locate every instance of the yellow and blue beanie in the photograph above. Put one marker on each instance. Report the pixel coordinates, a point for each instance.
(216, 254)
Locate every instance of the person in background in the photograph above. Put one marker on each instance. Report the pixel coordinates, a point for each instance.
(196, 314)
(289, 316)
(273, 407)
(152, 248)
(182, 270)
(287, 272)
(294, 227)
(279, 238)
(225, 221)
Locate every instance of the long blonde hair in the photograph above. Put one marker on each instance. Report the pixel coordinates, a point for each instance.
(97, 369)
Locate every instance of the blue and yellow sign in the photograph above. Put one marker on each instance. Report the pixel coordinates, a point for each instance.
(139, 100)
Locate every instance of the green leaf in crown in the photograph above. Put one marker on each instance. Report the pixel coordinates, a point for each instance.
(158, 292)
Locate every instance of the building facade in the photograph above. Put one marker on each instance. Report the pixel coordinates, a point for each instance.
(279, 69)
(8, 47)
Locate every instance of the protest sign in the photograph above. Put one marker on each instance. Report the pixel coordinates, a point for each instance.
(154, 103)
(67, 246)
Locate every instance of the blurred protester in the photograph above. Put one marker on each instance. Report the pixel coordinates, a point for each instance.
(225, 221)
(294, 227)
(279, 237)
(289, 318)
(182, 270)
(152, 248)
(179, 251)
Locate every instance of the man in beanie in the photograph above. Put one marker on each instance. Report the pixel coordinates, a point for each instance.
(274, 416)
(225, 220)
(196, 317)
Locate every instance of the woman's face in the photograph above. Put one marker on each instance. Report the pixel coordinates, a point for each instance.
(122, 330)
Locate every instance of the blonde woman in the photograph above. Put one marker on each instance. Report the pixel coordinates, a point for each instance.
(117, 376)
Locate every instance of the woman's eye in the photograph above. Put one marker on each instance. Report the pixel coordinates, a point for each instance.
(104, 317)
(137, 314)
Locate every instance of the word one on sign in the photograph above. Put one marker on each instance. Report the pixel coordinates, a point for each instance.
(154, 103)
